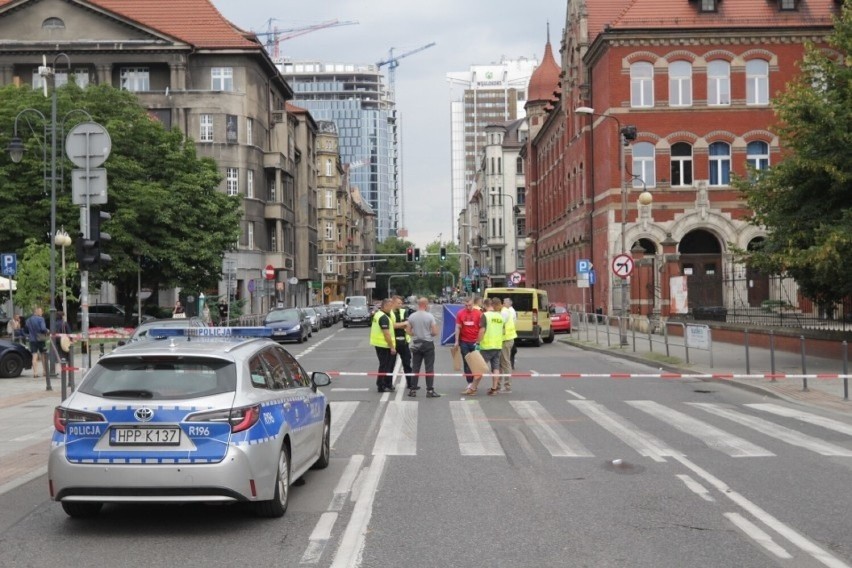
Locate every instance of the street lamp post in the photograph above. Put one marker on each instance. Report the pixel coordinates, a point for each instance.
(63, 240)
(625, 134)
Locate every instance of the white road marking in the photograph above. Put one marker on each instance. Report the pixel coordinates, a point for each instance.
(552, 435)
(641, 441)
(42, 433)
(799, 540)
(475, 436)
(315, 345)
(776, 431)
(344, 484)
(758, 535)
(814, 419)
(398, 432)
(696, 487)
(319, 538)
(350, 389)
(351, 548)
(575, 395)
(341, 412)
(26, 478)
(714, 437)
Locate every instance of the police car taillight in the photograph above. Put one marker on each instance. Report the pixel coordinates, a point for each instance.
(62, 416)
(239, 418)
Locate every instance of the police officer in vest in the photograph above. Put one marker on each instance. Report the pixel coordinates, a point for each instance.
(509, 334)
(402, 337)
(382, 338)
(491, 341)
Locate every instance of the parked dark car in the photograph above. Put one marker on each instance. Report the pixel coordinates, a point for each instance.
(14, 358)
(356, 315)
(288, 324)
(325, 314)
(110, 315)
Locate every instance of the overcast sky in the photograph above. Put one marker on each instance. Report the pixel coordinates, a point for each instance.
(467, 32)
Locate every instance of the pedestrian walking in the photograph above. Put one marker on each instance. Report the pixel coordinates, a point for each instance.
(62, 337)
(424, 330)
(491, 341)
(507, 357)
(13, 329)
(382, 338)
(507, 303)
(401, 337)
(38, 334)
(469, 321)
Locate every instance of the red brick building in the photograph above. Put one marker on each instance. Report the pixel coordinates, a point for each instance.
(681, 92)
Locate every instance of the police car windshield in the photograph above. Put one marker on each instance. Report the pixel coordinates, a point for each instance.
(160, 378)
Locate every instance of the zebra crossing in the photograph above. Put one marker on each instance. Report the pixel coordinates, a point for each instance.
(476, 434)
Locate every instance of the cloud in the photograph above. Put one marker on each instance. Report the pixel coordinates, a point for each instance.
(472, 32)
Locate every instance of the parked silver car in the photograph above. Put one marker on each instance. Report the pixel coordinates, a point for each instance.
(314, 318)
(208, 415)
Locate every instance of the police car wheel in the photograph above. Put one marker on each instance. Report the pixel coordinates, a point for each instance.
(325, 445)
(81, 510)
(276, 506)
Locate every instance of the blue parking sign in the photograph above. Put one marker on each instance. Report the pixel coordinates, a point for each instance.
(584, 266)
(9, 263)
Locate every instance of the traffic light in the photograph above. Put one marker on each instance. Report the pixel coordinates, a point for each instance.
(409, 254)
(89, 251)
(443, 253)
(417, 255)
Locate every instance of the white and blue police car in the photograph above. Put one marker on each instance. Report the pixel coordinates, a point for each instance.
(214, 415)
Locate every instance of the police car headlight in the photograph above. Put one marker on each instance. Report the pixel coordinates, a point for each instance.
(62, 416)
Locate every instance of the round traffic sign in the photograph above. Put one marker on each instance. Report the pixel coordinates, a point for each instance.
(88, 142)
(622, 265)
(269, 273)
(515, 277)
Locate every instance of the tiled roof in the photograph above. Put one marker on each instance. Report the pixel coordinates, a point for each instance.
(686, 14)
(196, 22)
(545, 78)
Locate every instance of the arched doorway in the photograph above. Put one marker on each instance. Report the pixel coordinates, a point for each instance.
(701, 263)
(645, 292)
(757, 282)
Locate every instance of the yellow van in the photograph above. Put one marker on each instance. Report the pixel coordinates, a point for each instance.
(531, 305)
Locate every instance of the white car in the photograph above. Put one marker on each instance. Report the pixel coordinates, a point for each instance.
(205, 415)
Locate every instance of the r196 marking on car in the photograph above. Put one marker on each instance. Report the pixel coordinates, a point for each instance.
(145, 437)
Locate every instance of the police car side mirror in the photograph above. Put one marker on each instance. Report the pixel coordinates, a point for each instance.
(320, 379)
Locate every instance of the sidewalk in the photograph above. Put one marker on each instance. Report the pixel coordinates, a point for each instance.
(825, 390)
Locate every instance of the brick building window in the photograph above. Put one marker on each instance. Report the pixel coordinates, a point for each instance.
(757, 82)
(642, 85)
(757, 155)
(680, 84)
(135, 79)
(720, 163)
(643, 165)
(718, 83)
(681, 164)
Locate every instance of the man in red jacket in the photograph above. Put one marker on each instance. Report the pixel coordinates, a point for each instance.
(468, 323)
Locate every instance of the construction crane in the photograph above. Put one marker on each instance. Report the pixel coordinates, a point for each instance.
(393, 62)
(275, 36)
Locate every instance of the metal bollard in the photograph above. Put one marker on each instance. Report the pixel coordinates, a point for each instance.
(650, 340)
(772, 354)
(666, 339)
(845, 370)
(748, 361)
(804, 366)
(633, 332)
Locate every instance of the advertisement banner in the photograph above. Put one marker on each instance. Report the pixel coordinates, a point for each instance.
(679, 295)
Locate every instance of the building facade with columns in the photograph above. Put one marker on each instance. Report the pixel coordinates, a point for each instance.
(658, 106)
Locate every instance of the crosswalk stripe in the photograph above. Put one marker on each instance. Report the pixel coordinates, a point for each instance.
(398, 433)
(641, 441)
(773, 430)
(814, 419)
(475, 436)
(341, 412)
(714, 437)
(552, 435)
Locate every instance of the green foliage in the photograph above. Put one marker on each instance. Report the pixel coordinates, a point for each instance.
(805, 201)
(168, 216)
(33, 278)
(423, 278)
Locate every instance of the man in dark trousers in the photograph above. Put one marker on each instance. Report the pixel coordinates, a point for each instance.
(382, 338)
(424, 330)
(401, 337)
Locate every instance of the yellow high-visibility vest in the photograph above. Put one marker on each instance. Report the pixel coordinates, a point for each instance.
(377, 336)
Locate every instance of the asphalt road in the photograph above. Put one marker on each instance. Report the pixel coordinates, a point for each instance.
(562, 472)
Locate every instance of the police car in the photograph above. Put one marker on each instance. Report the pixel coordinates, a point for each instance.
(215, 415)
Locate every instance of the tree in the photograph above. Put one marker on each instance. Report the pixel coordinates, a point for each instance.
(805, 201)
(169, 221)
(33, 277)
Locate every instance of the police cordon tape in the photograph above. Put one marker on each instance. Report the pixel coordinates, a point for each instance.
(673, 376)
